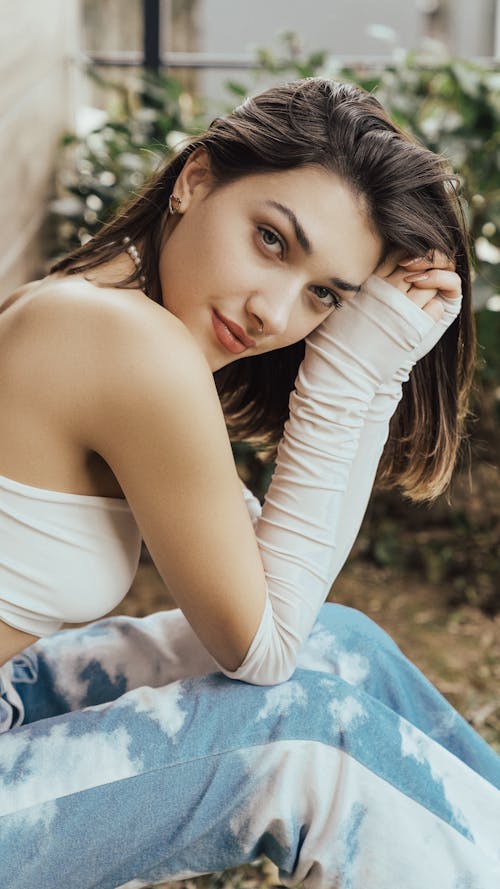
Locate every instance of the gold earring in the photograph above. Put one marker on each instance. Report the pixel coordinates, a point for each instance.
(178, 201)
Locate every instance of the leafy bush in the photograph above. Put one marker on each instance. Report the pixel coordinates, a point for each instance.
(100, 168)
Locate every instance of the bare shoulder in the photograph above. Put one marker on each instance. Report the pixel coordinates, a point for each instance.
(75, 305)
(153, 367)
(137, 349)
(135, 371)
(105, 348)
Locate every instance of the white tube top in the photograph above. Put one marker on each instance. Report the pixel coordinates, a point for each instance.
(63, 557)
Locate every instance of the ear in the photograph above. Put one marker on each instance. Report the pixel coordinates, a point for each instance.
(195, 178)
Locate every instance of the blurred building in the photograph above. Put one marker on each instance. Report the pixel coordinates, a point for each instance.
(37, 42)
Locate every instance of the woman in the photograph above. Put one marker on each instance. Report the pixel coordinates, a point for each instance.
(230, 266)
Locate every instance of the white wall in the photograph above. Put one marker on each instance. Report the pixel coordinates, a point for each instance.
(338, 26)
(36, 40)
(473, 28)
(342, 27)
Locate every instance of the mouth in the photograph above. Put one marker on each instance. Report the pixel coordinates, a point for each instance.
(230, 335)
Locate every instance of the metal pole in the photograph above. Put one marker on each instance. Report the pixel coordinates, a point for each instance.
(151, 16)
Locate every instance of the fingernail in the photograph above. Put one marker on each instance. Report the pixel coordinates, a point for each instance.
(412, 261)
(416, 277)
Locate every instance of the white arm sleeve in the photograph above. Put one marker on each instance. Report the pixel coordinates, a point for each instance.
(371, 441)
(252, 504)
(347, 389)
(375, 433)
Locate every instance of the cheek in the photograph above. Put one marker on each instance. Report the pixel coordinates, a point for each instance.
(302, 326)
(218, 258)
(313, 319)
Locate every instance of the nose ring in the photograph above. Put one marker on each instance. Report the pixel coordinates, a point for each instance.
(261, 326)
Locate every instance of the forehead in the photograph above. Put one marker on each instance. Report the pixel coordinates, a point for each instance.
(332, 216)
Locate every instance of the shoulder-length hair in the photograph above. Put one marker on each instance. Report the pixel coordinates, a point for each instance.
(412, 201)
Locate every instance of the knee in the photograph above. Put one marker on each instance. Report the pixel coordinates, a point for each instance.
(343, 618)
(354, 630)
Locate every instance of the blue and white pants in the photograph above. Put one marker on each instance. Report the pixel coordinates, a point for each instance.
(137, 762)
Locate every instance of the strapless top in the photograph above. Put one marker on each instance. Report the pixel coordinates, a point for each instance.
(64, 558)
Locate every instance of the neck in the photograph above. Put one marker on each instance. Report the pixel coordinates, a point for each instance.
(113, 270)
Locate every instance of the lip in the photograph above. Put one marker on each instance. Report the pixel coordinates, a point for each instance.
(230, 335)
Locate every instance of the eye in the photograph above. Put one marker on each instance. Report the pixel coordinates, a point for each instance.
(327, 297)
(271, 240)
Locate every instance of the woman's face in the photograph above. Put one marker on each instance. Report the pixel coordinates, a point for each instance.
(271, 252)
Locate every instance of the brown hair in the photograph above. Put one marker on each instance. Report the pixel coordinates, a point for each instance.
(412, 202)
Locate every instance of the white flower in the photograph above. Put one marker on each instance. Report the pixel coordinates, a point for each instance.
(487, 252)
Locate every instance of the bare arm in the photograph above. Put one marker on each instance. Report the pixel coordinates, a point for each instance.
(156, 420)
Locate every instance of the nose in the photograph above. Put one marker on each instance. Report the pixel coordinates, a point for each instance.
(270, 312)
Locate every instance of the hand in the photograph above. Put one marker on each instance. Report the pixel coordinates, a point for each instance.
(441, 304)
(429, 282)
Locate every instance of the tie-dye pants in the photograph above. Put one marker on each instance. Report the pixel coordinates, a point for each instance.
(137, 762)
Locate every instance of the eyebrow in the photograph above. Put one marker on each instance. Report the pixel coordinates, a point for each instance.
(306, 245)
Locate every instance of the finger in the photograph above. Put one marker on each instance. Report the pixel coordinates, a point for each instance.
(421, 297)
(435, 259)
(390, 263)
(442, 261)
(398, 279)
(447, 283)
(435, 309)
(419, 261)
(418, 295)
